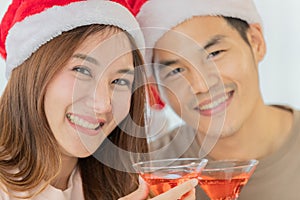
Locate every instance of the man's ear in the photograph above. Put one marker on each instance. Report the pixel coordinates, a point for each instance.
(257, 41)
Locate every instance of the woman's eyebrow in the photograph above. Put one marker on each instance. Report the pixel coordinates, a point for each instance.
(86, 58)
(94, 61)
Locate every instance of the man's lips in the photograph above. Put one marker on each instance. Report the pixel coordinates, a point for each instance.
(213, 103)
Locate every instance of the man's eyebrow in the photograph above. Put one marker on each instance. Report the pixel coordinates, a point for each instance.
(213, 41)
(86, 58)
(166, 63)
(126, 71)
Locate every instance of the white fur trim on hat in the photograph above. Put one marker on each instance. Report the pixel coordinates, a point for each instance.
(158, 16)
(27, 36)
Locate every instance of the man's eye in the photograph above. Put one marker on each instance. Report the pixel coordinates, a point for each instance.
(175, 71)
(82, 70)
(214, 54)
(121, 82)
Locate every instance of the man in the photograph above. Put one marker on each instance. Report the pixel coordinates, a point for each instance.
(206, 55)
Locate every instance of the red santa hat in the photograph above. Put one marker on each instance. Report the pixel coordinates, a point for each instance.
(158, 16)
(28, 24)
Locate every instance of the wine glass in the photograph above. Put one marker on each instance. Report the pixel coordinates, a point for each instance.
(224, 180)
(162, 175)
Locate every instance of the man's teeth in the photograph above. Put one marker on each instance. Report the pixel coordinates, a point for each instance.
(214, 103)
(80, 122)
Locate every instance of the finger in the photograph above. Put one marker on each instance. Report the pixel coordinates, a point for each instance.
(140, 194)
(178, 191)
(191, 195)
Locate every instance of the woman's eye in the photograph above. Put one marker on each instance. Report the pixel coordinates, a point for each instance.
(175, 71)
(82, 70)
(122, 82)
(214, 54)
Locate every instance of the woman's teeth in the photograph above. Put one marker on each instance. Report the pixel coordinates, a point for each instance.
(80, 122)
(214, 103)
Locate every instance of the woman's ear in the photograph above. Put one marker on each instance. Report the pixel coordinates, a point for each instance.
(257, 41)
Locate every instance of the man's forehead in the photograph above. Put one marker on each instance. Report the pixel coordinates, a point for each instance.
(193, 31)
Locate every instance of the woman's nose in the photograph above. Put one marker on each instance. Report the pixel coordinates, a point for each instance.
(100, 99)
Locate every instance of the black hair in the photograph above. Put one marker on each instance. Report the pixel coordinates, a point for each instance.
(240, 25)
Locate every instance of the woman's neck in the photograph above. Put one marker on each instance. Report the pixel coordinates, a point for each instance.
(68, 165)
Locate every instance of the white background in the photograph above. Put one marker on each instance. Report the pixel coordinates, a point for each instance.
(280, 70)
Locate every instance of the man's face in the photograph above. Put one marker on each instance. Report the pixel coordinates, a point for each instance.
(208, 73)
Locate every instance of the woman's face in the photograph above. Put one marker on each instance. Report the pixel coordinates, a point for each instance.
(91, 95)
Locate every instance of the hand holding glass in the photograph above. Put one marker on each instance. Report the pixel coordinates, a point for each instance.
(162, 175)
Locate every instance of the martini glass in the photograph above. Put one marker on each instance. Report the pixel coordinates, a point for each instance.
(224, 180)
(162, 175)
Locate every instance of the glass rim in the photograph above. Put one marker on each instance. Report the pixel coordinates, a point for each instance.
(202, 162)
(246, 163)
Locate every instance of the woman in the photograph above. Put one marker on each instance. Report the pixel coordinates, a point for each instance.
(72, 68)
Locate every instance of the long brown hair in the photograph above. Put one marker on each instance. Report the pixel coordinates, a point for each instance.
(26, 141)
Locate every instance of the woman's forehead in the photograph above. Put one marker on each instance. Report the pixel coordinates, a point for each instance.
(107, 48)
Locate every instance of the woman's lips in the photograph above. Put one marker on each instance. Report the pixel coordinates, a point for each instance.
(87, 125)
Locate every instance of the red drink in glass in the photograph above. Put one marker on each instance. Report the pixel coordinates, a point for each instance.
(159, 185)
(224, 180)
(220, 188)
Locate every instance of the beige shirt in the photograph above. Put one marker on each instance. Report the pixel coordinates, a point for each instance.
(73, 192)
(277, 176)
